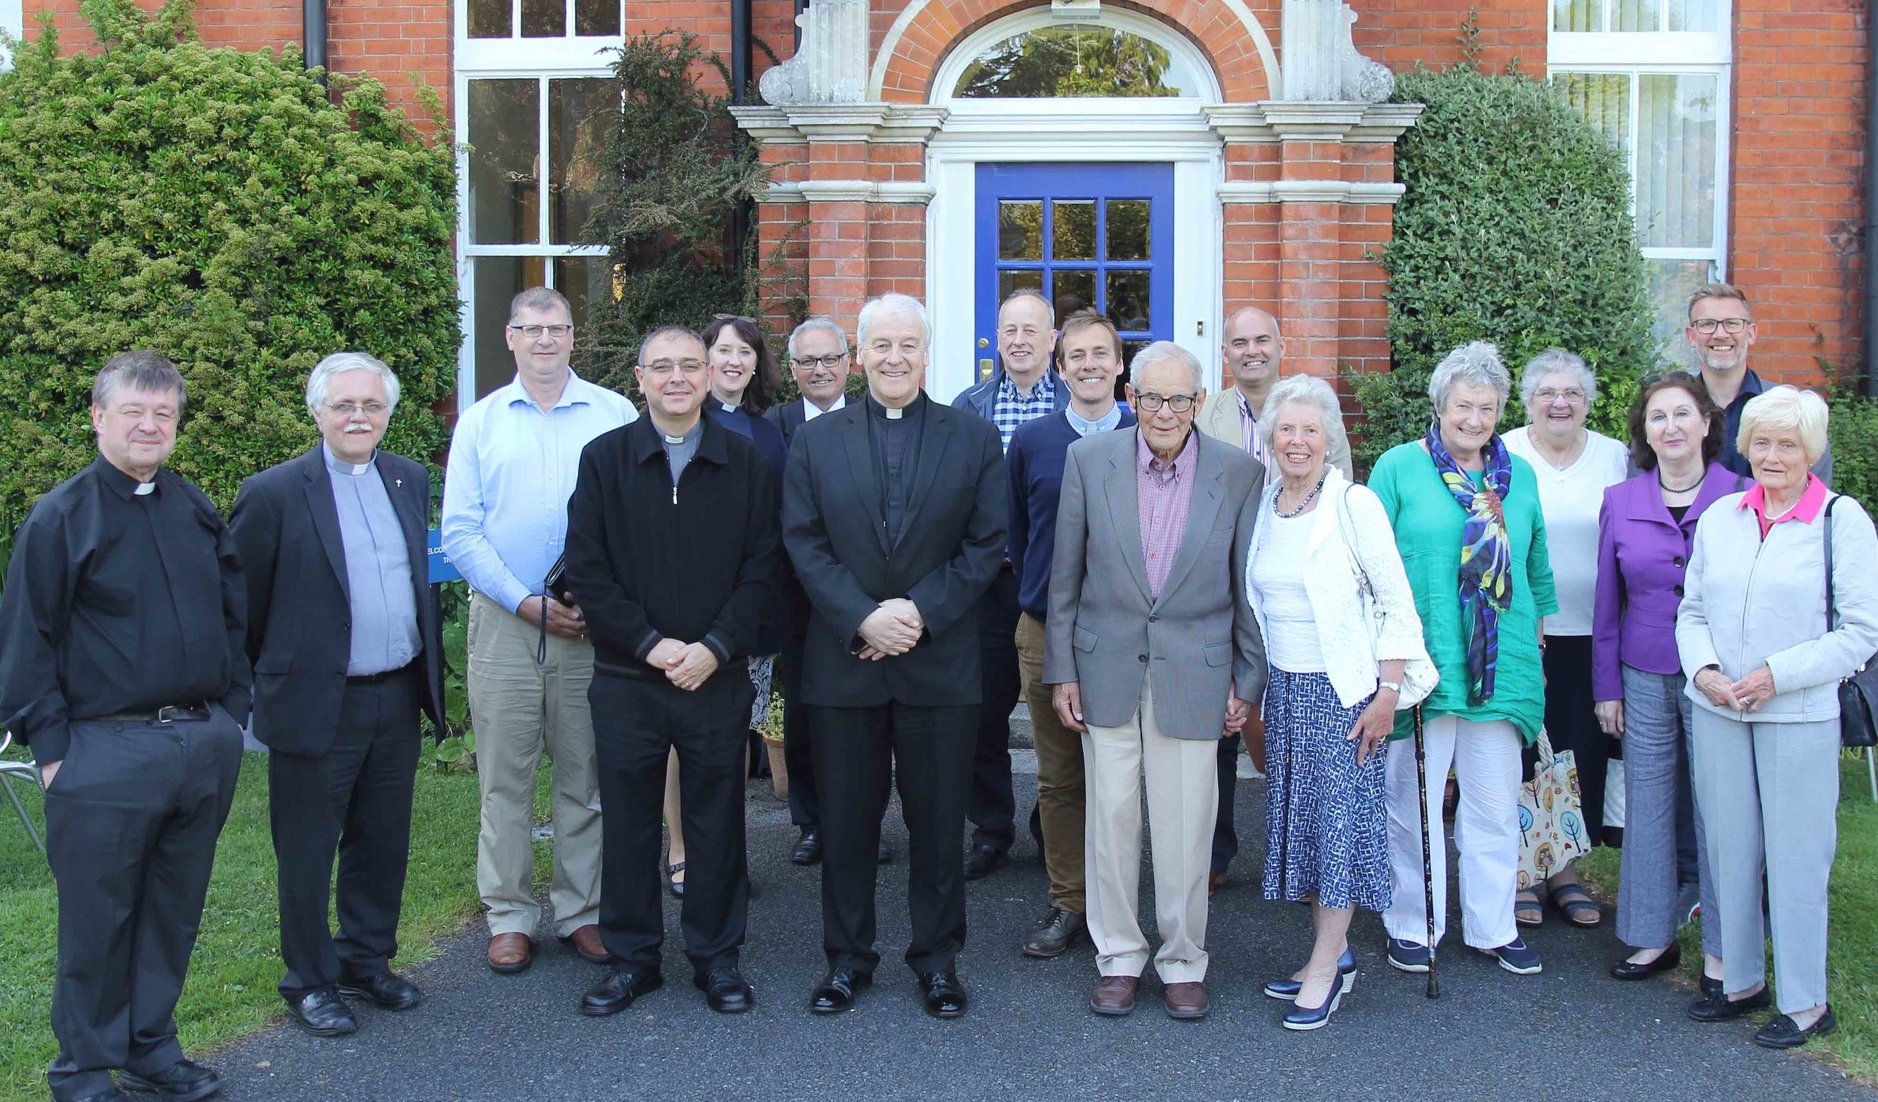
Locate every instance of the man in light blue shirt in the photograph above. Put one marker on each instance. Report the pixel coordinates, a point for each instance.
(513, 461)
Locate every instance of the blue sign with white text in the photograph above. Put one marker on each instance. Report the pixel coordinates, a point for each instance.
(441, 568)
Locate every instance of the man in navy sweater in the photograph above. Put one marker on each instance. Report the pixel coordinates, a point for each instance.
(1091, 355)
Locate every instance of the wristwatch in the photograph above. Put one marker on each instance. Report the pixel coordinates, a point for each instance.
(1393, 686)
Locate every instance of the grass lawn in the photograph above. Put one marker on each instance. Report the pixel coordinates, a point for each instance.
(1852, 970)
(231, 989)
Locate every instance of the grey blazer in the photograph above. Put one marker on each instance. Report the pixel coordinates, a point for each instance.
(1199, 641)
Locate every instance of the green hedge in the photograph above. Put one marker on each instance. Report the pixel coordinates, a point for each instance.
(1515, 227)
(219, 207)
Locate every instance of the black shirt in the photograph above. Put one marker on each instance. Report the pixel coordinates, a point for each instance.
(116, 602)
(896, 457)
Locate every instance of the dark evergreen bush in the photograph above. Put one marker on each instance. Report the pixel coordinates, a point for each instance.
(1515, 228)
(219, 207)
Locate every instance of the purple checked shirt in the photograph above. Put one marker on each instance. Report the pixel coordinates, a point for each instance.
(1166, 492)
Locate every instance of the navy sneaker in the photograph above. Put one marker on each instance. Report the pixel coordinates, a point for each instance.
(1407, 956)
(1518, 958)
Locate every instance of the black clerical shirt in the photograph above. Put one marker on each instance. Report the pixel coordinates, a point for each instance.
(896, 456)
(119, 602)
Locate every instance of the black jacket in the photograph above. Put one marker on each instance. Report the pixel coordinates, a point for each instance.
(647, 560)
(287, 529)
(951, 550)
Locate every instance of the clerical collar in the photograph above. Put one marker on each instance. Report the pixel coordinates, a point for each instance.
(340, 466)
(731, 407)
(671, 441)
(145, 488)
(911, 409)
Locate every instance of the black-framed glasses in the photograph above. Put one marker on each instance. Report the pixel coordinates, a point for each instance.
(535, 332)
(1152, 403)
(1730, 325)
(831, 361)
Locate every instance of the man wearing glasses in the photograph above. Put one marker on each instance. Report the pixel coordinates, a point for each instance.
(1153, 654)
(336, 698)
(513, 462)
(1721, 330)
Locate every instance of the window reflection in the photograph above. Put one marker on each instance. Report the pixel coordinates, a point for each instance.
(1075, 60)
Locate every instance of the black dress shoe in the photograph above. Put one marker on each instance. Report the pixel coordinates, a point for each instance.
(943, 994)
(883, 855)
(1666, 961)
(1721, 1008)
(808, 847)
(1784, 1032)
(322, 1013)
(618, 990)
(385, 990)
(983, 860)
(726, 991)
(1059, 931)
(1711, 987)
(183, 1081)
(837, 990)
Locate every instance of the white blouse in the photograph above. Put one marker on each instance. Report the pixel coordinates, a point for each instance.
(1570, 499)
(1291, 642)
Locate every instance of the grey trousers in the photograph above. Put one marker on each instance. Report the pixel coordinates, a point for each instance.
(1656, 753)
(1771, 791)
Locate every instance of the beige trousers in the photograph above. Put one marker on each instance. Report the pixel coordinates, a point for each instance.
(1060, 796)
(1182, 778)
(518, 707)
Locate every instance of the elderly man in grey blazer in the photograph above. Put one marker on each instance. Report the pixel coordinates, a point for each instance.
(1154, 655)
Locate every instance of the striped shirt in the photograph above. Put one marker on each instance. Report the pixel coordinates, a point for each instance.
(1012, 408)
(1166, 493)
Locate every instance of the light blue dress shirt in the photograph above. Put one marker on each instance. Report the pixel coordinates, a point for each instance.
(378, 569)
(511, 470)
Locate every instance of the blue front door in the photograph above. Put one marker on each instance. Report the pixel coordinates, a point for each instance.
(1086, 235)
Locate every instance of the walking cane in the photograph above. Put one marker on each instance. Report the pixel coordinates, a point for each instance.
(1428, 872)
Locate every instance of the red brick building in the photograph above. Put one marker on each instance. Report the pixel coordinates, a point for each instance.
(919, 147)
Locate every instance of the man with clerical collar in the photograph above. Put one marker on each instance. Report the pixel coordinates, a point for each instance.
(1721, 331)
(671, 551)
(1091, 354)
(347, 653)
(894, 515)
(121, 668)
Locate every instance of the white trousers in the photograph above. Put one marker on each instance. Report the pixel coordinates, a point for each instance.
(1182, 778)
(1485, 759)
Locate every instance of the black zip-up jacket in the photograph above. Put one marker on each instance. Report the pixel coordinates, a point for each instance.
(648, 560)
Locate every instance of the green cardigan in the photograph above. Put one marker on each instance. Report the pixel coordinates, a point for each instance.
(1428, 523)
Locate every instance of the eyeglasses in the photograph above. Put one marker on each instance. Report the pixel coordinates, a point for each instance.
(1152, 403)
(1548, 395)
(830, 362)
(347, 409)
(535, 332)
(666, 367)
(1731, 325)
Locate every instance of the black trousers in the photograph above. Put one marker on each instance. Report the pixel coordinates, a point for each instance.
(993, 807)
(131, 823)
(635, 723)
(856, 751)
(1225, 830)
(354, 801)
(1572, 725)
(805, 806)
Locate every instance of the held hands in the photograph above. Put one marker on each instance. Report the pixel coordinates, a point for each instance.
(1610, 715)
(1755, 689)
(694, 667)
(665, 655)
(1067, 700)
(1238, 713)
(49, 771)
(566, 621)
(891, 630)
(1375, 724)
(1720, 691)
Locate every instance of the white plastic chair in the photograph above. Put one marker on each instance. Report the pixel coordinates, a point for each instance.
(26, 771)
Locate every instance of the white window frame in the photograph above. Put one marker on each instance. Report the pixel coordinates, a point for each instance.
(1637, 54)
(515, 57)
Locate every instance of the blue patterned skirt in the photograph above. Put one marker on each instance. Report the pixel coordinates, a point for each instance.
(1327, 832)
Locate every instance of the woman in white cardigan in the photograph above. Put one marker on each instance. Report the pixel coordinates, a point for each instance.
(1345, 649)
(1764, 661)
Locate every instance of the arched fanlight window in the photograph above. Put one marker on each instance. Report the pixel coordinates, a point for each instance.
(1075, 60)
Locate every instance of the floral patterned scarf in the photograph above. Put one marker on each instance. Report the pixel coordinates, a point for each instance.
(1486, 578)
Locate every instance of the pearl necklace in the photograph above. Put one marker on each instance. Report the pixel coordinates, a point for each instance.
(1302, 505)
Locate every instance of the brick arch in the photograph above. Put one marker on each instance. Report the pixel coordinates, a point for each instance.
(926, 31)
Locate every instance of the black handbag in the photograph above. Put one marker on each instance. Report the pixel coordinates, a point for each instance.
(1858, 694)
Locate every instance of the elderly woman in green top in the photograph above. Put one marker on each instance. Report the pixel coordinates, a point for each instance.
(1467, 520)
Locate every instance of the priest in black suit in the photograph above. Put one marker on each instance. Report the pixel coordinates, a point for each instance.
(344, 638)
(894, 515)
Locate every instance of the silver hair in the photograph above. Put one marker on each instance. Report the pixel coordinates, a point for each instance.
(1788, 408)
(818, 324)
(320, 383)
(1305, 390)
(1161, 351)
(892, 303)
(1476, 363)
(1557, 361)
(1049, 308)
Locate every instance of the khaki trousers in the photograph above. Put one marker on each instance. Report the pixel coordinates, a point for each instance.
(518, 707)
(1183, 797)
(1060, 793)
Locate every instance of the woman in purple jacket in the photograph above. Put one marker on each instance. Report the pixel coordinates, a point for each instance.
(1644, 533)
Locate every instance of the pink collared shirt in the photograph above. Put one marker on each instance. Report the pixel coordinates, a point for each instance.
(1166, 493)
(1812, 500)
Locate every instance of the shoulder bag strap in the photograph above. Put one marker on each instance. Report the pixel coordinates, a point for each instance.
(1828, 538)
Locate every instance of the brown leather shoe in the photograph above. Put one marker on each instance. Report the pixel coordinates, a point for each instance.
(1114, 995)
(1186, 1000)
(586, 942)
(509, 953)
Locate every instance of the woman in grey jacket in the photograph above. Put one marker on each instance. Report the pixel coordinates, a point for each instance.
(1764, 665)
